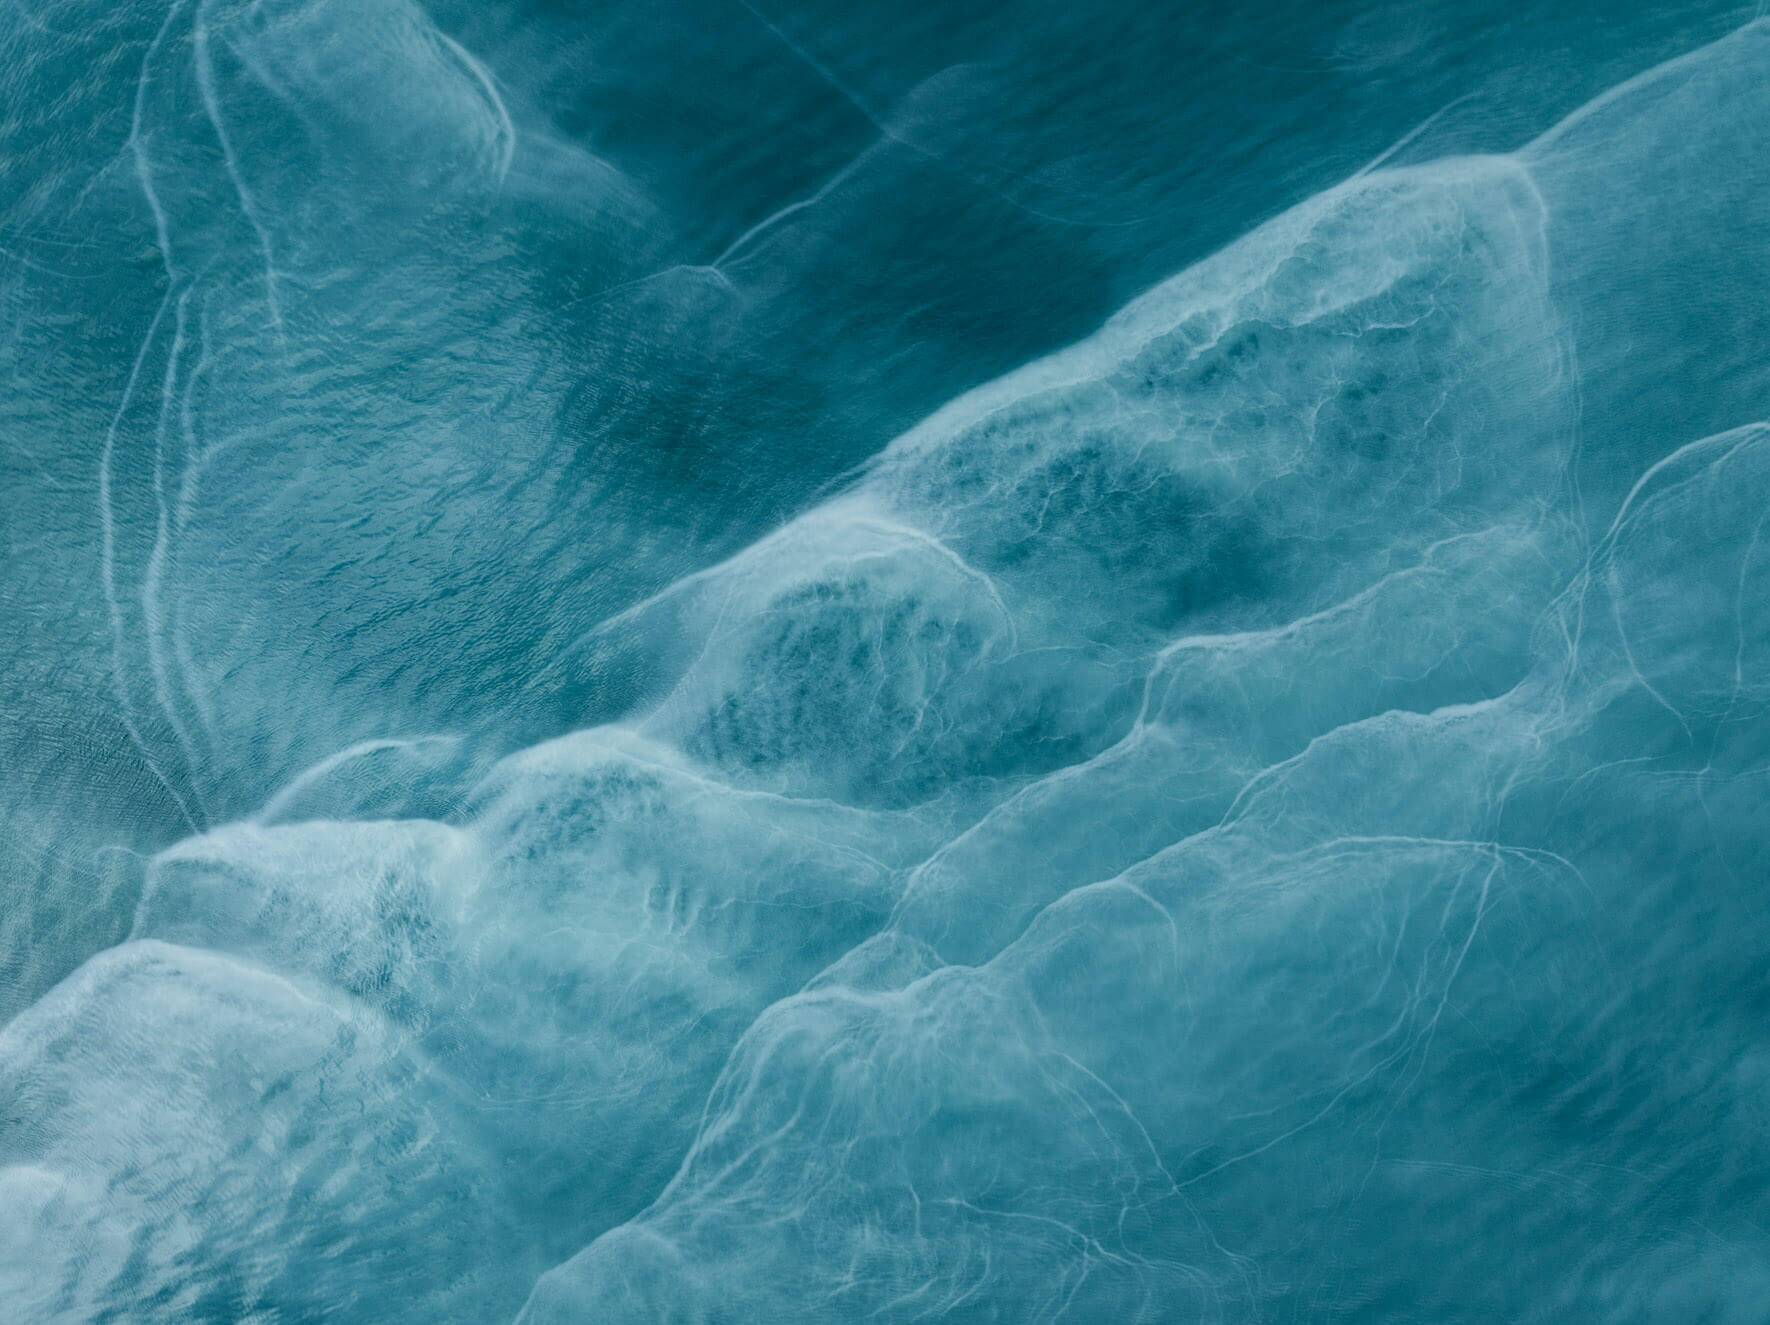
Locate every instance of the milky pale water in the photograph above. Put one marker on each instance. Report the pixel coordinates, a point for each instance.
(797, 661)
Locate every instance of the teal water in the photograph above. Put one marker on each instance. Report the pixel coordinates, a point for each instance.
(789, 661)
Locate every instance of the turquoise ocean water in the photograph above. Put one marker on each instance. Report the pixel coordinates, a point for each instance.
(798, 661)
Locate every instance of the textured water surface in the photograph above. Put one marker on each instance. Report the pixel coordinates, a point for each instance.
(810, 662)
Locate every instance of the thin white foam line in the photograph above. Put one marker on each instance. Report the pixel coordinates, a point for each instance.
(187, 491)
(152, 625)
(205, 69)
(312, 774)
(108, 541)
(142, 171)
(187, 485)
(892, 136)
(480, 72)
(1631, 85)
(23, 261)
(1407, 138)
(768, 222)
(107, 528)
(685, 583)
(36, 24)
(1739, 437)
(820, 70)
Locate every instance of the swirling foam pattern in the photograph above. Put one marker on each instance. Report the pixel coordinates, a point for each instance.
(526, 802)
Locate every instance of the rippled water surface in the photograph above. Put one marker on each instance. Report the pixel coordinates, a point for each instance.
(799, 661)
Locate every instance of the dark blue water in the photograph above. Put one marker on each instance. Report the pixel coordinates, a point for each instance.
(786, 661)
